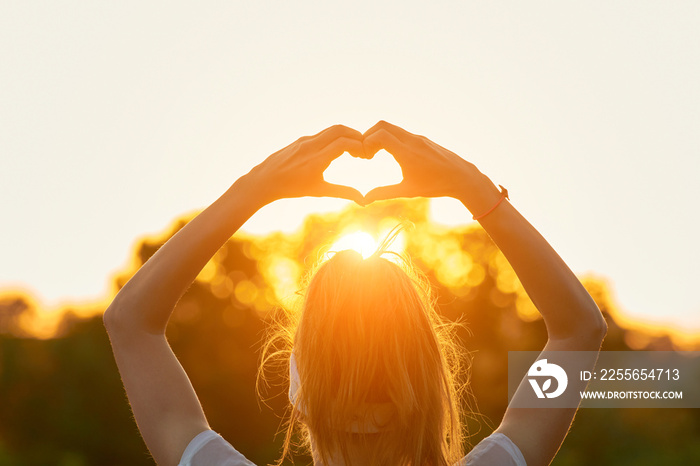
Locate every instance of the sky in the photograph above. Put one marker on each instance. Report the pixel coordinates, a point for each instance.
(118, 117)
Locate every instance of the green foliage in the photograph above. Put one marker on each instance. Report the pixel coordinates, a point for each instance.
(63, 403)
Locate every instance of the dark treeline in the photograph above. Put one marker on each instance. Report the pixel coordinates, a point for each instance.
(62, 403)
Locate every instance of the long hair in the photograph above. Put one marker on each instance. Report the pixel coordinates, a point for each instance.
(377, 367)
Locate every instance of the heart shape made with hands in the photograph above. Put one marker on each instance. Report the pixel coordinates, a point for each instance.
(364, 174)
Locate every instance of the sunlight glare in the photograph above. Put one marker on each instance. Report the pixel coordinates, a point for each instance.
(364, 175)
(359, 241)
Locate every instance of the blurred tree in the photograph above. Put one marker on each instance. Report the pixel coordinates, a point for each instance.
(62, 402)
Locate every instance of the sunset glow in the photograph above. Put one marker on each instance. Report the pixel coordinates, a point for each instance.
(364, 175)
(359, 241)
(462, 259)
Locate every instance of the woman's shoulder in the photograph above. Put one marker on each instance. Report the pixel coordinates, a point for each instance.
(209, 448)
(497, 450)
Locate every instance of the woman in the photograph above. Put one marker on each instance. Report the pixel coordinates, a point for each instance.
(349, 400)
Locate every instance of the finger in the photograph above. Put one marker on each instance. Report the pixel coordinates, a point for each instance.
(328, 135)
(339, 146)
(393, 191)
(326, 189)
(398, 132)
(382, 139)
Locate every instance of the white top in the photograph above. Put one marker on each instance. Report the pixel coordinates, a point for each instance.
(210, 449)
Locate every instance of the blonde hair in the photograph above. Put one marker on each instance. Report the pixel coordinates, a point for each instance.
(368, 335)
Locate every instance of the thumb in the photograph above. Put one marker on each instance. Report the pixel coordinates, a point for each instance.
(387, 192)
(326, 189)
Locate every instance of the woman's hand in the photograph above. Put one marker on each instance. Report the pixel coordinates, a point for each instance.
(297, 170)
(573, 320)
(163, 401)
(429, 170)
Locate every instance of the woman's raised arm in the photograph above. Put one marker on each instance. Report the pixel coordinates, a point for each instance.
(574, 322)
(162, 399)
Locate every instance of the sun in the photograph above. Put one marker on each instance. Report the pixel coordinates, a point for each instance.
(359, 241)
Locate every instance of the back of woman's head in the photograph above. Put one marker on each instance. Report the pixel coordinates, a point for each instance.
(373, 367)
